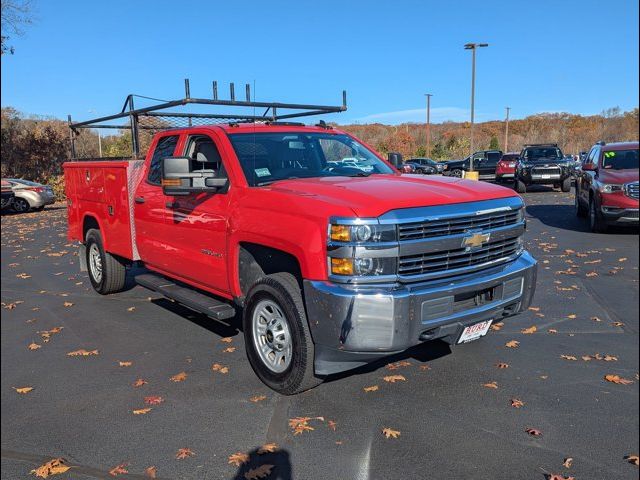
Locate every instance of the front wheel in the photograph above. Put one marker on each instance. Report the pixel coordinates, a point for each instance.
(566, 185)
(596, 222)
(106, 273)
(277, 336)
(520, 186)
(456, 173)
(20, 205)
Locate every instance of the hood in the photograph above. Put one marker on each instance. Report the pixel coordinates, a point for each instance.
(375, 195)
(618, 177)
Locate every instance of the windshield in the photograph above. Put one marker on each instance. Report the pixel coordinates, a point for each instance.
(620, 160)
(268, 157)
(542, 153)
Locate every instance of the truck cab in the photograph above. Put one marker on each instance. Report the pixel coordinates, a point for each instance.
(484, 162)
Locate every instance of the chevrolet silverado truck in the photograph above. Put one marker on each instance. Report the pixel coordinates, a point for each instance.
(330, 265)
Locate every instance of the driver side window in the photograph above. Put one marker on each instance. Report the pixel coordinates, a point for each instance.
(205, 156)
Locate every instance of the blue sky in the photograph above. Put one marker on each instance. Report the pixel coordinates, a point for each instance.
(576, 56)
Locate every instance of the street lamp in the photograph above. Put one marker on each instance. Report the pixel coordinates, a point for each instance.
(473, 47)
(428, 95)
(506, 131)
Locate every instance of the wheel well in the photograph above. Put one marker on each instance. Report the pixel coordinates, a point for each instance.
(88, 223)
(256, 261)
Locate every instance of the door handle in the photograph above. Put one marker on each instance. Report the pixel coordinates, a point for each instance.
(172, 205)
(139, 199)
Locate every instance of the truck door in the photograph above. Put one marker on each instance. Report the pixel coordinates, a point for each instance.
(150, 210)
(198, 222)
(490, 164)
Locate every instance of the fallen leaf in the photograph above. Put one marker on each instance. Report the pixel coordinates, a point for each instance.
(184, 453)
(552, 331)
(131, 309)
(153, 400)
(623, 259)
(512, 344)
(372, 388)
(125, 364)
(610, 358)
(34, 346)
(141, 411)
(332, 425)
(632, 459)
(229, 350)
(118, 470)
(263, 471)
(258, 398)
(68, 304)
(226, 339)
(151, 472)
(179, 377)
(533, 432)
(534, 309)
(425, 367)
(82, 353)
(572, 316)
(516, 403)
(23, 276)
(617, 324)
(390, 433)
(530, 330)
(300, 425)
(139, 382)
(491, 385)
(502, 365)
(394, 378)
(22, 390)
(617, 379)
(557, 476)
(497, 326)
(567, 462)
(216, 367)
(267, 448)
(238, 459)
(592, 274)
(568, 357)
(52, 467)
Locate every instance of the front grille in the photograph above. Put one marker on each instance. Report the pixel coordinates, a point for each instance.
(458, 258)
(453, 226)
(545, 171)
(631, 190)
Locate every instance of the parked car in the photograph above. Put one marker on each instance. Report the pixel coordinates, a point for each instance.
(484, 162)
(607, 186)
(542, 164)
(331, 269)
(7, 195)
(426, 165)
(408, 167)
(506, 168)
(30, 195)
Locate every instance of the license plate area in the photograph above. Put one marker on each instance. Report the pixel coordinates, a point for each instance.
(467, 301)
(474, 332)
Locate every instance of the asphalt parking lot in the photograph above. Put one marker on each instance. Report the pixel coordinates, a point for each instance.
(454, 410)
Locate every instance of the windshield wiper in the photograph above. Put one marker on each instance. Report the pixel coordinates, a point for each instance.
(359, 174)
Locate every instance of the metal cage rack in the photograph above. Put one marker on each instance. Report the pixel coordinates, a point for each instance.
(157, 117)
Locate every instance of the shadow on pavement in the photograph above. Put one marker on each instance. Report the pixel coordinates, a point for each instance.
(277, 463)
(564, 217)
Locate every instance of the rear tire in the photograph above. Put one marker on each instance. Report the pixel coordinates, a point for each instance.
(566, 185)
(456, 173)
(106, 273)
(275, 323)
(20, 205)
(520, 187)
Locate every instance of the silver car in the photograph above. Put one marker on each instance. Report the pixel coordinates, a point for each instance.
(30, 195)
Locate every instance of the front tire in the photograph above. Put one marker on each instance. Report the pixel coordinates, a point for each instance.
(566, 185)
(106, 273)
(20, 205)
(277, 336)
(596, 222)
(520, 187)
(456, 173)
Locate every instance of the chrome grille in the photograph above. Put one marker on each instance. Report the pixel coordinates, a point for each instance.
(545, 171)
(631, 190)
(453, 226)
(458, 258)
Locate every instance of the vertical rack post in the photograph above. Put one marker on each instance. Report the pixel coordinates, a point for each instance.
(72, 138)
(133, 118)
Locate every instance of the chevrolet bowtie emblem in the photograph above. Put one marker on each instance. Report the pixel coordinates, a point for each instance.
(476, 240)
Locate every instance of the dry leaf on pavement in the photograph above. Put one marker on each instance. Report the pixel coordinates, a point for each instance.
(125, 364)
(263, 471)
(141, 411)
(533, 432)
(332, 425)
(52, 467)
(216, 367)
(82, 353)
(226, 339)
(139, 382)
(179, 377)
(267, 448)
(372, 388)
(238, 459)
(184, 453)
(516, 403)
(153, 400)
(151, 472)
(118, 470)
(568, 357)
(34, 346)
(617, 379)
(390, 433)
(68, 304)
(258, 398)
(502, 365)
(530, 330)
(632, 459)
(22, 390)
(394, 378)
(229, 350)
(557, 476)
(567, 462)
(491, 385)
(512, 344)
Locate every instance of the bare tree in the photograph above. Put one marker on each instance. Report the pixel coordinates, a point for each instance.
(16, 14)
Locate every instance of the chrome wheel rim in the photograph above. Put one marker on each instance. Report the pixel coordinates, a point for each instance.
(21, 205)
(457, 173)
(271, 336)
(95, 262)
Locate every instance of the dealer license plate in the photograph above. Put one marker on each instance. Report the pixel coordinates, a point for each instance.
(545, 176)
(475, 331)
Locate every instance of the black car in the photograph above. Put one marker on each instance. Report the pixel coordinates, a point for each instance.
(484, 162)
(426, 165)
(543, 164)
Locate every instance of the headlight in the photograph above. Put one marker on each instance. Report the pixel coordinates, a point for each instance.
(610, 188)
(362, 233)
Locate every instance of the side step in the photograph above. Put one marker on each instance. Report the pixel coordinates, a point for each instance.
(186, 296)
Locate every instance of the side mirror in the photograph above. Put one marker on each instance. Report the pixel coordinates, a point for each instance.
(178, 179)
(395, 159)
(589, 167)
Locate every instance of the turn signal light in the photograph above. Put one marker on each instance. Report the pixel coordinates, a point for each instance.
(342, 266)
(340, 233)
(171, 182)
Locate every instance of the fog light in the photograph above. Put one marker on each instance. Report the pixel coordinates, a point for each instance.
(342, 266)
(364, 266)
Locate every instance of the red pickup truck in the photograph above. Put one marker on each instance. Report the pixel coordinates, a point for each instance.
(333, 264)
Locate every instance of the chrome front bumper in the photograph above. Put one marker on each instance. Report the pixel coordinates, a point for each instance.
(354, 325)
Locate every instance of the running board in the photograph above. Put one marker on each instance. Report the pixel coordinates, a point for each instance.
(186, 296)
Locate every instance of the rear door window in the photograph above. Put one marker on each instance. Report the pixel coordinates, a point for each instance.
(165, 147)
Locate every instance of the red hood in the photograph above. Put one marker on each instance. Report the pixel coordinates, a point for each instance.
(375, 195)
(618, 177)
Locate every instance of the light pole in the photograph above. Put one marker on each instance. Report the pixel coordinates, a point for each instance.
(506, 131)
(428, 95)
(473, 47)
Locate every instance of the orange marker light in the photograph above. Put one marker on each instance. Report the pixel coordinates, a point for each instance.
(342, 266)
(340, 233)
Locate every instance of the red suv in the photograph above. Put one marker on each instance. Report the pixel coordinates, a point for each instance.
(506, 167)
(607, 186)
